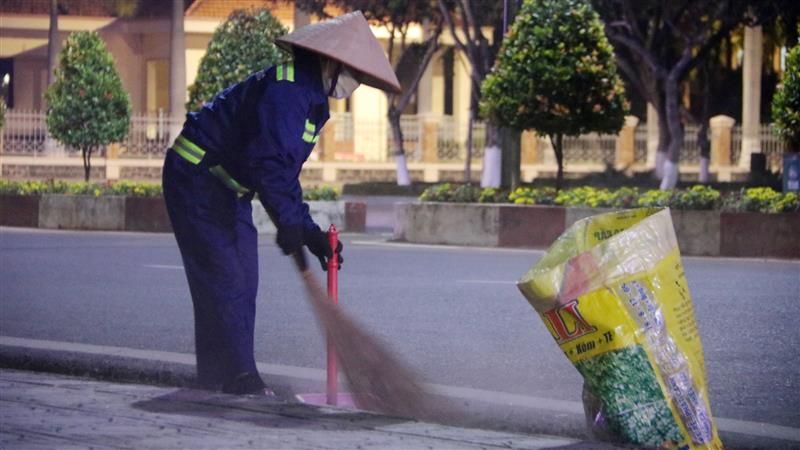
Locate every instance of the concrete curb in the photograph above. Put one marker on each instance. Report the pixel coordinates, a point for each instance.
(700, 233)
(120, 213)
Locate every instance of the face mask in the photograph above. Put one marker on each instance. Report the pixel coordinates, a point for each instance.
(341, 85)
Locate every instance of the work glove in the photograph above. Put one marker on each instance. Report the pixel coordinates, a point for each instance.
(317, 242)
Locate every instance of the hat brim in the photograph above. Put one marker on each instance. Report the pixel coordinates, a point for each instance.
(348, 40)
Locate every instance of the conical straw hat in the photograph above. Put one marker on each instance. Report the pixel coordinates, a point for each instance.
(349, 40)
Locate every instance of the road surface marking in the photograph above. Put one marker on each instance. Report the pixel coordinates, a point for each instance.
(758, 429)
(411, 245)
(487, 281)
(163, 266)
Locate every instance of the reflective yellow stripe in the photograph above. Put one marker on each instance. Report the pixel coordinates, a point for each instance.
(285, 72)
(308, 138)
(310, 127)
(186, 154)
(225, 177)
(191, 152)
(190, 147)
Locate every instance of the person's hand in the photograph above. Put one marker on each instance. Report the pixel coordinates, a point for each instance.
(317, 242)
(290, 238)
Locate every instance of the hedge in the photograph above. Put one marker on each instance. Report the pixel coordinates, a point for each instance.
(698, 197)
(125, 188)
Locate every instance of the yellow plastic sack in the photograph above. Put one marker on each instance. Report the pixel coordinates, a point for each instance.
(612, 292)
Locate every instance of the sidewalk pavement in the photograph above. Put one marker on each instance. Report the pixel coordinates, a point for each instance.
(44, 410)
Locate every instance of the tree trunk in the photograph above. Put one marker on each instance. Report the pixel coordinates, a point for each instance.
(558, 149)
(86, 152)
(510, 145)
(663, 142)
(468, 156)
(675, 127)
(53, 42)
(702, 133)
(492, 159)
(399, 153)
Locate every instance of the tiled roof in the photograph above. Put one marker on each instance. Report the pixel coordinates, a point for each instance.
(101, 8)
(283, 10)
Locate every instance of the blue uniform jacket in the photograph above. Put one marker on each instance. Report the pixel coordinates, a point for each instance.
(262, 130)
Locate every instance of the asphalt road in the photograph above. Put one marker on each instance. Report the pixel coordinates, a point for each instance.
(453, 314)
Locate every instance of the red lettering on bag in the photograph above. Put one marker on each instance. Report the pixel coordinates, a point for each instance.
(561, 331)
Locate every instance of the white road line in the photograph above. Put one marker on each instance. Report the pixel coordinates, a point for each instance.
(757, 429)
(487, 281)
(163, 266)
(412, 245)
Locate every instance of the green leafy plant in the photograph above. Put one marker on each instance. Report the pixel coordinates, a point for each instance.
(696, 197)
(243, 44)
(125, 188)
(493, 195)
(786, 102)
(86, 104)
(323, 193)
(555, 74)
(763, 199)
(532, 196)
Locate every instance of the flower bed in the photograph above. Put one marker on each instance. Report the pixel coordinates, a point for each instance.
(764, 200)
(127, 206)
(706, 222)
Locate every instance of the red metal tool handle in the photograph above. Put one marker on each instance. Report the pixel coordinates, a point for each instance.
(333, 295)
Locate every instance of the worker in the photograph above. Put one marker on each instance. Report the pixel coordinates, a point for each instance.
(252, 139)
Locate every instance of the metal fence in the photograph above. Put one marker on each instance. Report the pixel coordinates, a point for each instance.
(25, 134)
(590, 148)
(451, 139)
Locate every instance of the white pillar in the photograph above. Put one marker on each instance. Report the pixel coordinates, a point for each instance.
(751, 94)
(652, 135)
(177, 68)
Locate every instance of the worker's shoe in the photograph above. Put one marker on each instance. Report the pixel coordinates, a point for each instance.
(248, 383)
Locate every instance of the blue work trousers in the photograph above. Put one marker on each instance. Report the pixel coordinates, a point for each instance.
(218, 244)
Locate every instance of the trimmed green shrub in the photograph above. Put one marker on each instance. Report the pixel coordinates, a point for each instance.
(555, 74)
(697, 197)
(243, 44)
(786, 102)
(122, 187)
(762, 199)
(86, 105)
(532, 196)
(323, 193)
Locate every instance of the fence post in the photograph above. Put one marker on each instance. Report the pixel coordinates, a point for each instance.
(112, 161)
(430, 137)
(529, 145)
(327, 144)
(626, 143)
(721, 139)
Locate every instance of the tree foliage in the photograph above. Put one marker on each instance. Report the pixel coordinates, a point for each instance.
(658, 43)
(786, 103)
(555, 74)
(243, 44)
(86, 104)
